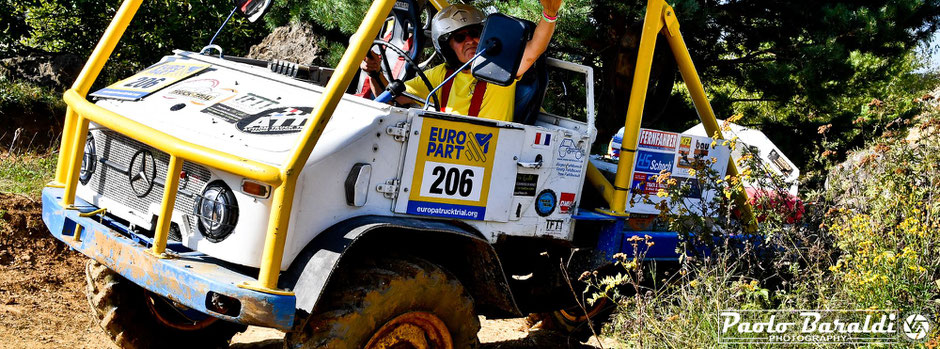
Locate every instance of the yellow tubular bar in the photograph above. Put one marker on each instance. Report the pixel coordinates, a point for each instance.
(284, 193)
(172, 145)
(166, 208)
(87, 77)
(74, 157)
(652, 23)
(700, 100)
(439, 4)
(600, 183)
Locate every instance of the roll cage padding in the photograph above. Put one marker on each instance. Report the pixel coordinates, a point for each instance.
(366, 236)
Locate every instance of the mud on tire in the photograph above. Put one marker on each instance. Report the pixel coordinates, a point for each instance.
(362, 302)
(122, 310)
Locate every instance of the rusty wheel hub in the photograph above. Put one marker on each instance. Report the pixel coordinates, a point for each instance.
(175, 315)
(418, 330)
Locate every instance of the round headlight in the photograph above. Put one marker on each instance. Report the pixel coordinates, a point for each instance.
(89, 161)
(217, 211)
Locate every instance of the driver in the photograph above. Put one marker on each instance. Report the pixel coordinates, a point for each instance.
(455, 32)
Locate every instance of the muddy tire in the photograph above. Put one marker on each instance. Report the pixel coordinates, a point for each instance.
(136, 318)
(391, 303)
(573, 321)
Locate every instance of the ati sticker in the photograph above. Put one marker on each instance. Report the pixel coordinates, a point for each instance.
(657, 140)
(240, 107)
(458, 145)
(545, 202)
(525, 184)
(566, 203)
(276, 121)
(542, 139)
(553, 225)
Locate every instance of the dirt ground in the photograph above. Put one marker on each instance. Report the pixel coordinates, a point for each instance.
(42, 302)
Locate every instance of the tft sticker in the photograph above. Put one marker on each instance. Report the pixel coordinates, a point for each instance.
(240, 107)
(553, 225)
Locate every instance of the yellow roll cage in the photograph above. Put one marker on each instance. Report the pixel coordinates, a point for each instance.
(659, 18)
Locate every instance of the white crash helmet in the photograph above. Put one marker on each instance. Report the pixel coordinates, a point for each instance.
(450, 19)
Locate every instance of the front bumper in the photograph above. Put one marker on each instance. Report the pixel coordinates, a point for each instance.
(186, 278)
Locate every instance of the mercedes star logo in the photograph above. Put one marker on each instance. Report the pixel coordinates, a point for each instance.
(142, 172)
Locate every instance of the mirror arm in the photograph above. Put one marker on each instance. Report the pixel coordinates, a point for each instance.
(492, 44)
(220, 28)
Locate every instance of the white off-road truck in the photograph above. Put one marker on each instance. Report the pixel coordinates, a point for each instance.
(215, 192)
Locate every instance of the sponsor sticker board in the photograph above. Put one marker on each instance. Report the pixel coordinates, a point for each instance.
(453, 171)
(150, 80)
(660, 152)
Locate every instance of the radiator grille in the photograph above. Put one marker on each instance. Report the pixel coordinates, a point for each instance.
(110, 179)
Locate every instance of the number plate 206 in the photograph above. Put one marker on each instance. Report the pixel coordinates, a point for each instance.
(452, 181)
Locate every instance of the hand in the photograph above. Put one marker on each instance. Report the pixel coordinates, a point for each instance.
(370, 64)
(551, 7)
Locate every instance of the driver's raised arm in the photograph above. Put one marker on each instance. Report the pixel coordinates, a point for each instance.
(541, 37)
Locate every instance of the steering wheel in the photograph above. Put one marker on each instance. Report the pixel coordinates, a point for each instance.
(387, 71)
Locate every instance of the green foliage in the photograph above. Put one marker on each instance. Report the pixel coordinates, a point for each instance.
(26, 174)
(17, 95)
(75, 26)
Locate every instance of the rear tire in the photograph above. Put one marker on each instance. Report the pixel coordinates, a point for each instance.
(391, 303)
(136, 318)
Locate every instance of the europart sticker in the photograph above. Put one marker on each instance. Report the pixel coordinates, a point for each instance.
(276, 121)
(240, 107)
(452, 170)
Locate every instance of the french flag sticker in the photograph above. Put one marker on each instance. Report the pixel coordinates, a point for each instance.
(543, 139)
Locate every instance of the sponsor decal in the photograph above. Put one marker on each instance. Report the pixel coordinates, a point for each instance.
(778, 161)
(543, 139)
(657, 140)
(150, 80)
(566, 203)
(240, 107)
(553, 225)
(452, 170)
(570, 159)
(525, 184)
(199, 91)
(545, 202)
(689, 154)
(276, 121)
(645, 183)
(818, 327)
(648, 161)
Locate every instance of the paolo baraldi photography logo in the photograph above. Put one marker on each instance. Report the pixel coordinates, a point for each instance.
(739, 326)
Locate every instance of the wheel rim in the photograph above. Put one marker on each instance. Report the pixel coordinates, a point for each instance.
(177, 316)
(418, 330)
(575, 314)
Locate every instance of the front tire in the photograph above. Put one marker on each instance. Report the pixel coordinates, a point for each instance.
(136, 318)
(391, 303)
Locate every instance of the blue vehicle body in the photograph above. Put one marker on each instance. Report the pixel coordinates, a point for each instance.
(188, 278)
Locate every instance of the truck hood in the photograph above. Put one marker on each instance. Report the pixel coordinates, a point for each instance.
(243, 110)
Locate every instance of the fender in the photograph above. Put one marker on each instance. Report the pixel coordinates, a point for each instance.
(480, 271)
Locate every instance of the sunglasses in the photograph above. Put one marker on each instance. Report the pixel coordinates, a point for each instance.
(463, 35)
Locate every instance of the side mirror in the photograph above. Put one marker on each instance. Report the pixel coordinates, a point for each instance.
(253, 9)
(504, 37)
